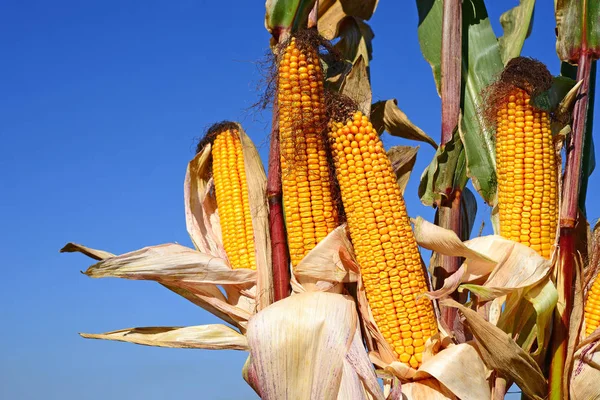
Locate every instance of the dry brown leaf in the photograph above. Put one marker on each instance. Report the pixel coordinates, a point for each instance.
(445, 241)
(357, 87)
(403, 160)
(332, 12)
(210, 337)
(387, 116)
(499, 352)
(91, 253)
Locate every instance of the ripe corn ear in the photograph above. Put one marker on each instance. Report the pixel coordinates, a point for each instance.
(231, 187)
(310, 211)
(527, 174)
(391, 266)
(592, 308)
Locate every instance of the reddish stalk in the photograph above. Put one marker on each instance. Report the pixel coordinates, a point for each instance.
(279, 251)
(449, 213)
(568, 219)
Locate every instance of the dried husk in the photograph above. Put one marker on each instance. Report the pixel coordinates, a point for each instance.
(323, 268)
(198, 275)
(500, 353)
(308, 346)
(208, 337)
(586, 372)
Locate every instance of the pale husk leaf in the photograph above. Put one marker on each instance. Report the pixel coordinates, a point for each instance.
(205, 295)
(201, 216)
(169, 263)
(499, 352)
(586, 373)
(460, 369)
(324, 264)
(209, 337)
(429, 389)
(298, 347)
(445, 241)
(259, 209)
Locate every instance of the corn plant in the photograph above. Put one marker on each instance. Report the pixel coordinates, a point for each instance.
(316, 266)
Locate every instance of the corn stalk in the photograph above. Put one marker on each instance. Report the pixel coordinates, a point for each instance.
(448, 214)
(578, 42)
(279, 250)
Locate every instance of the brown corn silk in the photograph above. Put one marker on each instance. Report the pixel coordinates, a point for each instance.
(527, 173)
(231, 190)
(391, 265)
(309, 207)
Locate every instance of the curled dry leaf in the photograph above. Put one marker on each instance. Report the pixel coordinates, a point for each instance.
(332, 12)
(210, 337)
(201, 215)
(443, 374)
(307, 346)
(403, 160)
(386, 115)
(505, 265)
(499, 352)
(356, 85)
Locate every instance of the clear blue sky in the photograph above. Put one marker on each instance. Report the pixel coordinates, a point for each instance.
(101, 104)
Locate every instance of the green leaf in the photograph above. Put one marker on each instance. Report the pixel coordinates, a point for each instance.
(481, 63)
(445, 174)
(517, 23)
(578, 26)
(286, 15)
(430, 35)
(551, 98)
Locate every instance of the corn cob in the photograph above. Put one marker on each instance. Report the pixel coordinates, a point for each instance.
(527, 174)
(592, 308)
(383, 240)
(231, 188)
(307, 197)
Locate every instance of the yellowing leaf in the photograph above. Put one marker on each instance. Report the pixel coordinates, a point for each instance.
(211, 337)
